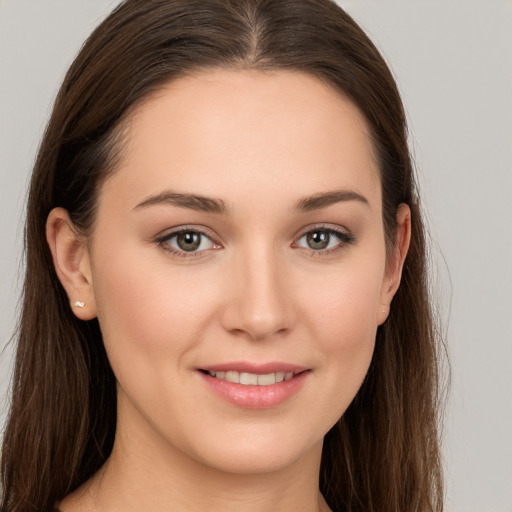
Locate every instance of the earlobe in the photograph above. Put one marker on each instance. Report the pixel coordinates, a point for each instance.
(72, 264)
(395, 262)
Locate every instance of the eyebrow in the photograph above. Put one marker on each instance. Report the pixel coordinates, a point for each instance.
(191, 201)
(217, 206)
(325, 199)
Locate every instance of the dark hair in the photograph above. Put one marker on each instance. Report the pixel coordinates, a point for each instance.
(383, 454)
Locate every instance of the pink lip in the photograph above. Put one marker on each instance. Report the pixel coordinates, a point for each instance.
(259, 369)
(256, 397)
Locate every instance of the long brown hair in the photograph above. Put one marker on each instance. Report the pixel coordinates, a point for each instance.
(383, 454)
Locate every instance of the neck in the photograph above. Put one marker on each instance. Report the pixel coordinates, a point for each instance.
(137, 482)
(152, 475)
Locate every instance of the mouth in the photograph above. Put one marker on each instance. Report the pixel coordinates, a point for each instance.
(251, 379)
(255, 386)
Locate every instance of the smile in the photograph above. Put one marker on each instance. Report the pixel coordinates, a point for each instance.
(255, 386)
(252, 379)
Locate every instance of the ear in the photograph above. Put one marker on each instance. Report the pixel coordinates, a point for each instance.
(395, 262)
(72, 264)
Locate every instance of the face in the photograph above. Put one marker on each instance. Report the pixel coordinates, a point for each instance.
(238, 267)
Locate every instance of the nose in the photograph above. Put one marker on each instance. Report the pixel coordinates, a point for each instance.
(259, 297)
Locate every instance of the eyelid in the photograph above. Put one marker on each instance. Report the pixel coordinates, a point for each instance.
(163, 238)
(343, 234)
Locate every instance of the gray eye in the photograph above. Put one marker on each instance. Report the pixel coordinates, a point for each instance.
(188, 241)
(322, 239)
(318, 239)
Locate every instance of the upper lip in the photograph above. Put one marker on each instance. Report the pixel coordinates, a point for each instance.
(255, 368)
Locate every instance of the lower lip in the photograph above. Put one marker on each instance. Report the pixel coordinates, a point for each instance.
(256, 397)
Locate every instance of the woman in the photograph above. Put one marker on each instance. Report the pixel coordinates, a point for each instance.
(226, 301)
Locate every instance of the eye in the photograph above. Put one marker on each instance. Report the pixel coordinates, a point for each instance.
(324, 239)
(187, 241)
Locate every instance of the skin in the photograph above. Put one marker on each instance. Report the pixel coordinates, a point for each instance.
(254, 291)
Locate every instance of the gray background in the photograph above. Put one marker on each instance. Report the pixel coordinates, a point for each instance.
(452, 60)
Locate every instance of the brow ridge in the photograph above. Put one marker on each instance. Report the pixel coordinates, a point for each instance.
(217, 206)
(326, 199)
(191, 201)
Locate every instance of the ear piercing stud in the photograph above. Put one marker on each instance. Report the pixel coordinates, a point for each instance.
(78, 304)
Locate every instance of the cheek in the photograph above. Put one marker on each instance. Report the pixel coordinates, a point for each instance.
(147, 309)
(346, 308)
(344, 324)
(349, 343)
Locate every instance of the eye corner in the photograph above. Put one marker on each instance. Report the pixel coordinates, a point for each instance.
(199, 242)
(326, 243)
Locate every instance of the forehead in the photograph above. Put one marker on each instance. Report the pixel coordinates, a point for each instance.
(237, 134)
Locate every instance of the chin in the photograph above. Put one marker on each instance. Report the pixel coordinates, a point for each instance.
(258, 454)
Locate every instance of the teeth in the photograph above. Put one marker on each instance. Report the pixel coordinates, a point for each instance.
(252, 379)
(233, 377)
(249, 379)
(266, 380)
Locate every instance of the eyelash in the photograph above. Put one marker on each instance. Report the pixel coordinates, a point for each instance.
(343, 237)
(163, 242)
